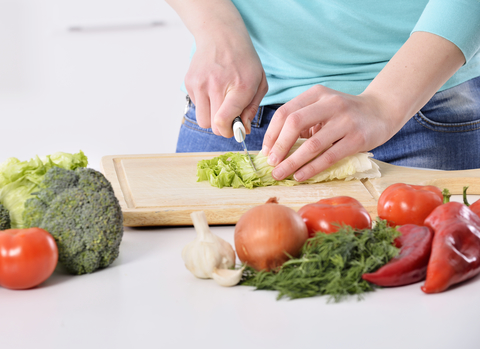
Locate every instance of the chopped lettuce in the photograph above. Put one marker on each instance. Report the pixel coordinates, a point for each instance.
(234, 170)
(19, 179)
(228, 170)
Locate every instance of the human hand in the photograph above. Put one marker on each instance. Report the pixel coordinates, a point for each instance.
(340, 124)
(225, 80)
(337, 125)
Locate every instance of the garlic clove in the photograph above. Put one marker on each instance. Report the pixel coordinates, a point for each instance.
(227, 277)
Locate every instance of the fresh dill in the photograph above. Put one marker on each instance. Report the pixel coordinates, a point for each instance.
(330, 264)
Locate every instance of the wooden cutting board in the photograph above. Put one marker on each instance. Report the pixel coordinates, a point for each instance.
(162, 189)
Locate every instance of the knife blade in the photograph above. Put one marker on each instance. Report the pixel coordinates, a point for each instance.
(239, 133)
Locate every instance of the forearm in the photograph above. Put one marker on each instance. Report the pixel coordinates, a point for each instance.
(416, 72)
(210, 19)
(225, 78)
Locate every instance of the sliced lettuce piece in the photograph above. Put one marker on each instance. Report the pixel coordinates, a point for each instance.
(234, 170)
(19, 179)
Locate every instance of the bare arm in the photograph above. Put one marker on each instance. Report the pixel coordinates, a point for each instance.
(225, 78)
(347, 124)
(423, 64)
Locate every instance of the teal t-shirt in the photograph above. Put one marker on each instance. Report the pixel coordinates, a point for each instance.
(343, 44)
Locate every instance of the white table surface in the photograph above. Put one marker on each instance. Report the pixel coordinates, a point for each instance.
(148, 299)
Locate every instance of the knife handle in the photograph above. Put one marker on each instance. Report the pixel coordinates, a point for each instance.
(238, 129)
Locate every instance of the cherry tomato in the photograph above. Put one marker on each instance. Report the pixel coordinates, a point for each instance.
(327, 215)
(401, 203)
(27, 257)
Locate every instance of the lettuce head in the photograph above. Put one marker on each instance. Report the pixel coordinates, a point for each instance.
(19, 179)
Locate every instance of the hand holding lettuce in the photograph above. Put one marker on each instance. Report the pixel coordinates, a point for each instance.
(234, 170)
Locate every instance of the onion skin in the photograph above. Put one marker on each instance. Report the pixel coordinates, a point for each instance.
(265, 234)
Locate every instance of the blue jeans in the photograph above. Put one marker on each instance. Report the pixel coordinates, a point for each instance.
(444, 134)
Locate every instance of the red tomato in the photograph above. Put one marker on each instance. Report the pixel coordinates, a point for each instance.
(475, 207)
(27, 257)
(401, 203)
(327, 214)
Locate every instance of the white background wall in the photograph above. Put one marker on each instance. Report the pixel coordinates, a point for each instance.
(113, 89)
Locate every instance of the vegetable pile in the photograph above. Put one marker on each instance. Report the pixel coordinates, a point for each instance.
(454, 253)
(58, 196)
(234, 170)
(333, 248)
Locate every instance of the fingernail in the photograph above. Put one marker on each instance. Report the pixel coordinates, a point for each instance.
(272, 160)
(278, 174)
(299, 176)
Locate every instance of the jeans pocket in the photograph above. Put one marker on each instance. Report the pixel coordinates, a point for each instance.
(453, 110)
(257, 120)
(190, 118)
(450, 126)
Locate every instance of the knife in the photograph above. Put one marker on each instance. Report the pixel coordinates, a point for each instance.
(239, 133)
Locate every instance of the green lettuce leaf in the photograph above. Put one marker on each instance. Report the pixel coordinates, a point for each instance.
(19, 179)
(234, 170)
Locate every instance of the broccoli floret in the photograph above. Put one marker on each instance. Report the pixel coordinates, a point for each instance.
(4, 218)
(79, 208)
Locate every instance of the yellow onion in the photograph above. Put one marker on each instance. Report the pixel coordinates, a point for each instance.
(266, 235)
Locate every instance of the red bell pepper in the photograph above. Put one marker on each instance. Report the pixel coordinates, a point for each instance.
(327, 215)
(402, 204)
(455, 253)
(410, 265)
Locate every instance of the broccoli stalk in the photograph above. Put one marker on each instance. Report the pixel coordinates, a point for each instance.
(80, 210)
(4, 218)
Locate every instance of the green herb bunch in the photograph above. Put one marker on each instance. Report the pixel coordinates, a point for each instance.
(330, 264)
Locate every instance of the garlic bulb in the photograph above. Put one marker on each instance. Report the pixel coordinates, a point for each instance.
(207, 251)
